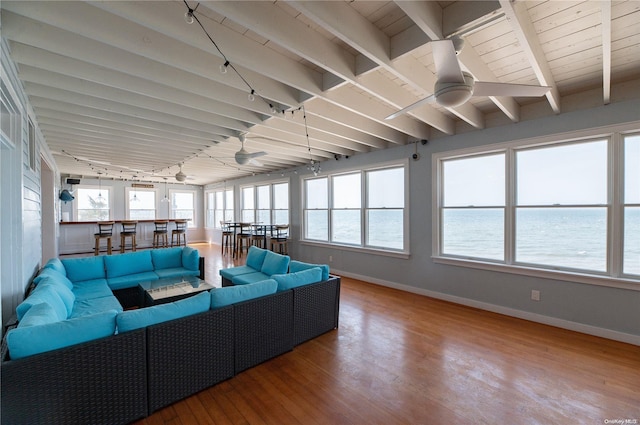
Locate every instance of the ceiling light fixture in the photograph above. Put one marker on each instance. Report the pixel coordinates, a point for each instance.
(313, 165)
(223, 67)
(166, 198)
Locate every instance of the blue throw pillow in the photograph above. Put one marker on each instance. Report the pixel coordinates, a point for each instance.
(221, 297)
(275, 264)
(166, 258)
(86, 268)
(51, 273)
(45, 294)
(293, 280)
(255, 257)
(134, 319)
(296, 266)
(63, 292)
(190, 258)
(28, 340)
(39, 314)
(129, 263)
(55, 264)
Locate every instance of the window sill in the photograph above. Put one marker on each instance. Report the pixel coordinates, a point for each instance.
(363, 250)
(591, 279)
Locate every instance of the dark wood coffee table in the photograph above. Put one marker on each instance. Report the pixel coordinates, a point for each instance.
(171, 289)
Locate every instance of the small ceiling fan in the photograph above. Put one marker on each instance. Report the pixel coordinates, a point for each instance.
(243, 157)
(454, 86)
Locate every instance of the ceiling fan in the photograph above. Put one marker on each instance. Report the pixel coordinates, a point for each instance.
(454, 86)
(243, 157)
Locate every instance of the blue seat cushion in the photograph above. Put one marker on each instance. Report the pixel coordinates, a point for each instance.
(94, 306)
(55, 275)
(88, 289)
(63, 292)
(29, 340)
(221, 297)
(255, 257)
(293, 280)
(176, 272)
(134, 319)
(296, 266)
(56, 265)
(128, 264)
(166, 258)
(131, 281)
(86, 268)
(45, 294)
(275, 263)
(190, 258)
(244, 279)
(39, 314)
(232, 272)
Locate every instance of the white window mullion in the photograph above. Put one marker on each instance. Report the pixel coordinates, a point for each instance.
(615, 216)
(511, 197)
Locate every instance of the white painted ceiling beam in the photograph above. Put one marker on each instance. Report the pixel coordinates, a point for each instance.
(520, 22)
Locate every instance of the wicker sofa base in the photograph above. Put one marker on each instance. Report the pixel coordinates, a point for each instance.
(125, 377)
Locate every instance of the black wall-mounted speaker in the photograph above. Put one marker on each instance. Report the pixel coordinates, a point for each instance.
(73, 181)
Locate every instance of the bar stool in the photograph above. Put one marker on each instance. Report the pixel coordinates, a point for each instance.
(180, 230)
(129, 229)
(227, 236)
(259, 236)
(243, 239)
(281, 239)
(105, 231)
(160, 236)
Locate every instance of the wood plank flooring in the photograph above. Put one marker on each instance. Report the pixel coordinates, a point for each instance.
(401, 358)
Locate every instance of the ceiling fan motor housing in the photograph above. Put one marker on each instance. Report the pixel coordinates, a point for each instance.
(455, 94)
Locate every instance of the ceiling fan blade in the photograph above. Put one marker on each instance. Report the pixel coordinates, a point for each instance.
(482, 88)
(447, 66)
(428, 99)
(255, 162)
(257, 154)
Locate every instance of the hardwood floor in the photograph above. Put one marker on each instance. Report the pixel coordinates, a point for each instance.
(400, 358)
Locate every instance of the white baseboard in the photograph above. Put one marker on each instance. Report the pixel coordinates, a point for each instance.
(520, 314)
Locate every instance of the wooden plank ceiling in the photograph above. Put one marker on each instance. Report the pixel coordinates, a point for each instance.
(131, 90)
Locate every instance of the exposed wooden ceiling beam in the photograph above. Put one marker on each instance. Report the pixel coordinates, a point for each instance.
(606, 50)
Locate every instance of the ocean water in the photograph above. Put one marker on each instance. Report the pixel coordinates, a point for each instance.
(559, 237)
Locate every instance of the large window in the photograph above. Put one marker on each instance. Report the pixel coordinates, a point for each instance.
(549, 206)
(183, 206)
(363, 208)
(219, 207)
(141, 204)
(92, 203)
(268, 203)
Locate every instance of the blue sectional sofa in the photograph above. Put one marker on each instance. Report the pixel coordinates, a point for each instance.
(101, 363)
(261, 264)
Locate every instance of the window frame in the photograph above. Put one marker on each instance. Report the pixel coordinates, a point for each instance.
(127, 201)
(190, 223)
(272, 202)
(364, 230)
(102, 188)
(614, 276)
(227, 213)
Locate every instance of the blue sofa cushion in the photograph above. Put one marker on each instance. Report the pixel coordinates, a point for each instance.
(128, 264)
(28, 340)
(56, 265)
(166, 258)
(245, 279)
(63, 292)
(57, 276)
(94, 306)
(86, 268)
(232, 272)
(296, 266)
(39, 314)
(293, 280)
(88, 289)
(190, 258)
(275, 263)
(177, 272)
(45, 294)
(255, 257)
(221, 297)
(134, 319)
(130, 281)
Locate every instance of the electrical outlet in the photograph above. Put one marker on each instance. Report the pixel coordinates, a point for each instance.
(330, 258)
(535, 295)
